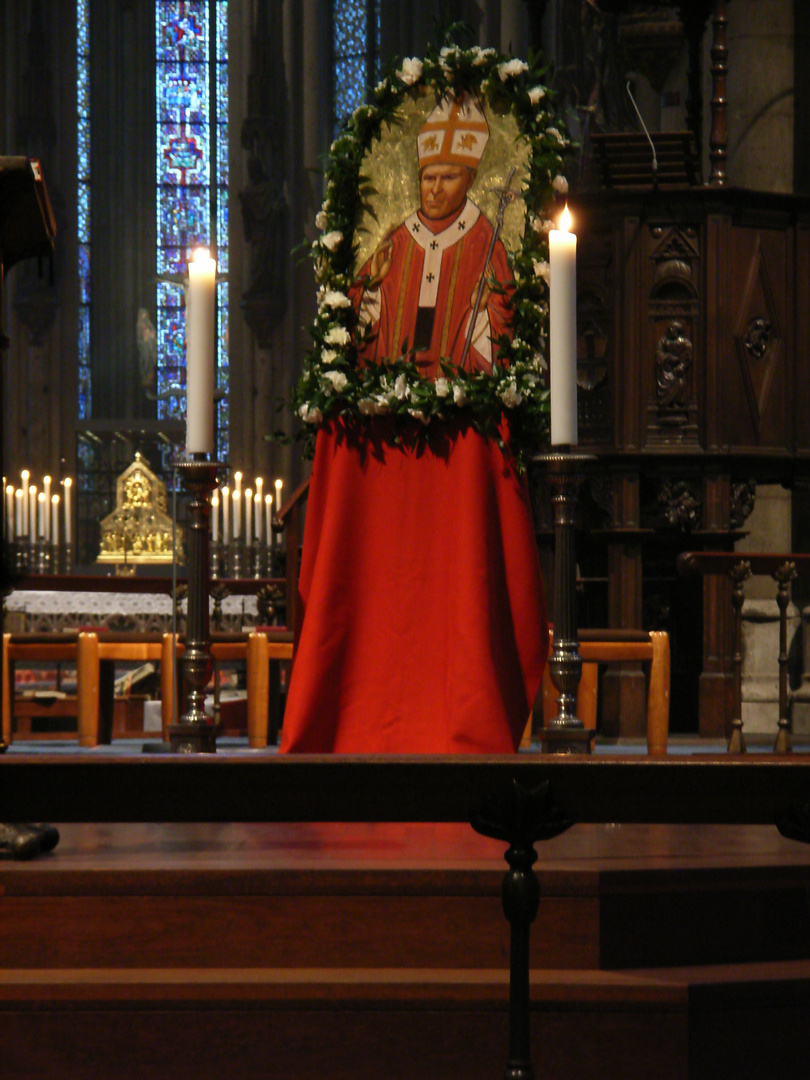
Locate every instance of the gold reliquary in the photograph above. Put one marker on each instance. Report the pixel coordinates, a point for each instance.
(139, 530)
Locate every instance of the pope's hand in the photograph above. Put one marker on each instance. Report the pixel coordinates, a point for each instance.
(381, 262)
(486, 291)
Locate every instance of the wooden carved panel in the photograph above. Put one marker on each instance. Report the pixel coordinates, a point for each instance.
(671, 340)
(758, 336)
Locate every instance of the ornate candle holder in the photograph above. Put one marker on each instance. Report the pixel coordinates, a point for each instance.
(565, 734)
(236, 556)
(256, 551)
(195, 733)
(42, 563)
(215, 558)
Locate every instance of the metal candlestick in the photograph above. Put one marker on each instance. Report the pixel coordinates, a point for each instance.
(215, 556)
(236, 558)
(195, 733)
(565, 733)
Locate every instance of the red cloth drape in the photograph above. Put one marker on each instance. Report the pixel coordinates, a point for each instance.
(422, 623)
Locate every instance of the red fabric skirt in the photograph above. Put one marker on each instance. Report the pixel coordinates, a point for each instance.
(422, 623)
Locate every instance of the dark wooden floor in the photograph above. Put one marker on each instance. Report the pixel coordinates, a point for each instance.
(353, 950)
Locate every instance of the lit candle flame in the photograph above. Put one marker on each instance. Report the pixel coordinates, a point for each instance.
(565, 219)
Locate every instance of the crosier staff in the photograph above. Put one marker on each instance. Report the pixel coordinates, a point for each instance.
(506, 196)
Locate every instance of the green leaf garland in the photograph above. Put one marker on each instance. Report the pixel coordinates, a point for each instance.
(333, 385)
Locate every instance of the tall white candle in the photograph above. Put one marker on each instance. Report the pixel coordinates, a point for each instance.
(55, 520)
(268, 518)
(248, 516)
(68, 517)
(46, 488)
(215, 518)
(226, 515)
(258, 501)
(32, 511)
(278, 485)
(237, 513)
(19, 514)
(200, 360)
(24, 478)
(562, 244)
(10, 512)
(41, 507)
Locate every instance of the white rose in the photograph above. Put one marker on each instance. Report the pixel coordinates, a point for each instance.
(559, 183)
(337, 379)
(481, 55)
(512, 68)
(542, 226)
(537, 93)
(332, 240)
(401, 389)
(310, 415)
(449, 52)
(556, 135)
(338, 335)
(542, 269)
(459, 395)
(442, 387)
(382, 403)
(510, 396)
(320, 219)
(417, 414)
(411, 71)
(367, 406)
(328, 356)
(334, 299)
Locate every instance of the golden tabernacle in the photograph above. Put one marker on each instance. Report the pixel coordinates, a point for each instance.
(139, 530)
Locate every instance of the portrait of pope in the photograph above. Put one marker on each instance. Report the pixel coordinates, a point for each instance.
(437, 287)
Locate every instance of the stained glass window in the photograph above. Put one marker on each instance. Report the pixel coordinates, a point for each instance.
(356, 48)
(83, 223)
(192, 179)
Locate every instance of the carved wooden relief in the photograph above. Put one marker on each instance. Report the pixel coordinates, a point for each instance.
(674, 311)
(758, 336)
(678, 505)
(743, 494)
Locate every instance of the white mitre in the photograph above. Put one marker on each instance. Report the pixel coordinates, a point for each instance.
(455, 133)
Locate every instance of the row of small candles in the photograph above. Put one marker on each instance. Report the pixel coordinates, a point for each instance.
(245, 515)
(34, 514)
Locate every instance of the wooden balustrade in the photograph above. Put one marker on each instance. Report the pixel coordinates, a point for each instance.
(739, 567)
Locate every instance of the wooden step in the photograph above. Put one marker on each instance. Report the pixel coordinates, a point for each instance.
(746, 1021)
(399, 896)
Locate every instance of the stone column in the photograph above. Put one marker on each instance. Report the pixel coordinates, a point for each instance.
(760, 94)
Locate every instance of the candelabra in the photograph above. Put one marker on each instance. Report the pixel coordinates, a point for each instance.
(565, 733)
(195, 733)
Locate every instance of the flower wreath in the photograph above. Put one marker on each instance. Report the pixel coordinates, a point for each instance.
(332, 383)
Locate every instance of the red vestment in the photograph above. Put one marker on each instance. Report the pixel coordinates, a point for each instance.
(438, 271)
(422, 625)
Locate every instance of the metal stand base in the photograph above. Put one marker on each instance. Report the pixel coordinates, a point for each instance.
(565, 734)
(193, 738)
(195, 733)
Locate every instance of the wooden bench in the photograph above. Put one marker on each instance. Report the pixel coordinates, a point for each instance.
(53, 648)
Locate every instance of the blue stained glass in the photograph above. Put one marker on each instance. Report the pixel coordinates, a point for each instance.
(355, 47)
(190, 35)
(83, 209)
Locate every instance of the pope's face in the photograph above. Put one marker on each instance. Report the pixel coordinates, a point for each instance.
(443, 189)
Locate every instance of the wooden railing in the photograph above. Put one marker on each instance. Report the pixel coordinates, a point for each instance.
(739, 567)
